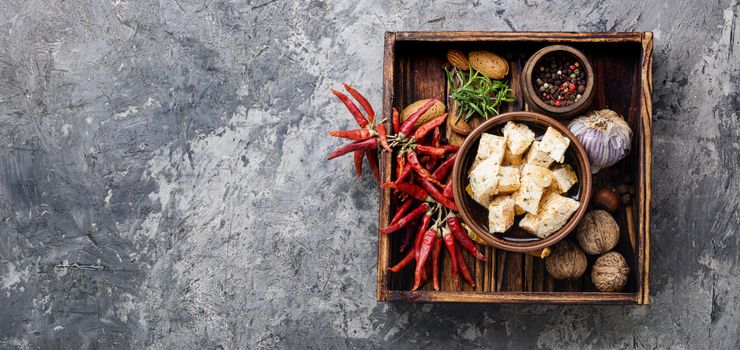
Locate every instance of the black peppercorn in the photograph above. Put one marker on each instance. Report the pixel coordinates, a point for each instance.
(558, 80)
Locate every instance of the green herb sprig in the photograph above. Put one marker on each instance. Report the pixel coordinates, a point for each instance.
(477, 93)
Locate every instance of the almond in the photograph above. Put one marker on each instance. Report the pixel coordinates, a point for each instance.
(435, 111)
(457, 59)
(489, 63)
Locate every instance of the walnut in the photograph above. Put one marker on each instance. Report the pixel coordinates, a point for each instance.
(597, 233)
(610, 272)
(567, 261)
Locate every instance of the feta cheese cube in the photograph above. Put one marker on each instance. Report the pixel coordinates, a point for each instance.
(518, 210)
(555, 212)
(491, 146)
(554, 144)
(538, 157)
(528, 196)
(518, 137)
(511, 158)
(500, 214)
(563, 178)
(508, 179)
(536, 174)
(483, 179)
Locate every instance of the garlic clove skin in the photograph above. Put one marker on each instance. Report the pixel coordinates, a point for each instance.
(605, 135)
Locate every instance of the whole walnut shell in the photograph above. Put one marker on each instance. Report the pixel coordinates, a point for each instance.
(598, 232)
(610, 272)
(567, 261)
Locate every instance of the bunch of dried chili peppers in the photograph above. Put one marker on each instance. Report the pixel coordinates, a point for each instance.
(422, 188)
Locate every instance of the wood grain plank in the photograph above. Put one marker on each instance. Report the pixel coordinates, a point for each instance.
(545, 37)
(528, 273)
(645, 192)
(514, 274)
(538, 278)
(500, 268)
(385, 199)
(479, 273)
(515, 297)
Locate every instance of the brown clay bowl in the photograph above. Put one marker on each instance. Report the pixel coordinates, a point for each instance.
(476, 216)
(533, 99)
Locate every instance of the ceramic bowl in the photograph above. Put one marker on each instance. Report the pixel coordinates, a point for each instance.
(476, 216)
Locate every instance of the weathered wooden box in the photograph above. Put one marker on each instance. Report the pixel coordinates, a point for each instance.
(623, 76)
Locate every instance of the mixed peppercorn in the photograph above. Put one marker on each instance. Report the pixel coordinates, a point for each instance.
(559, 80)
(422, 189)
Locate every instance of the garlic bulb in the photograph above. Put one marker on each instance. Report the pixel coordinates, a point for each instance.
(606, 137)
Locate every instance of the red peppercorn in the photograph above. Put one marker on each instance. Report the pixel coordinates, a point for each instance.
(557, 103)
(572, 67)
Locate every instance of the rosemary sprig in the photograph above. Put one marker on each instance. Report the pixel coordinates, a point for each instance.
(477, 93)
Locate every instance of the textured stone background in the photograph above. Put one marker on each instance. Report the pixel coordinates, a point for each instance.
(163, 183)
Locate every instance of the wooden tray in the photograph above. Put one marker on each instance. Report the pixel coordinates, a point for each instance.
(622, 64)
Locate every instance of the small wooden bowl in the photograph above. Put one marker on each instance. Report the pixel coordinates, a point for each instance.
(476, 216)
(533, 99)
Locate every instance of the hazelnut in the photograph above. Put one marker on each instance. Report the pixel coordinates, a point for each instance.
(597, 232)
(607, 198)
(566, 261)
(626, 199)
(623, 188)
(610, 272)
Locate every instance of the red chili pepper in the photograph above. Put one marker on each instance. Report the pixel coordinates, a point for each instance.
(451, 148)
(355, 134)
(404, 174)
(448, 189)
(405, 261)
(372, 159)
(363, 102)
(410, 189)
(450, 244)
(408, 125)
(461, 236)
(420, 234)
(429, 126)
(436, 142)
(433, 151)
(361, 121)
(464, 268)
(358, 162)
(383, 137)
(408, 235)
(444, 169)
(414, 161)
(401, 211)
(435, 262)
(426, 246)
(355, 146)
(439, 197)
(396, 121)
(400, 164)
(405, 220)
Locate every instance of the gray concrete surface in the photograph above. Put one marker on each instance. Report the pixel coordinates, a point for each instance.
(163, 183)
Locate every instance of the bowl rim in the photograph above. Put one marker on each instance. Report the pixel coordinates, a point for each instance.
(531, 94)
(584, 174)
